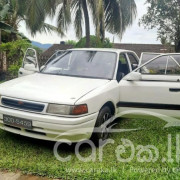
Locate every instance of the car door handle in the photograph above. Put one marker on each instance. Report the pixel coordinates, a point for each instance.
(174, 90)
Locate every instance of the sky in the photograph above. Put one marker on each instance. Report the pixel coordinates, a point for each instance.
(133, 34)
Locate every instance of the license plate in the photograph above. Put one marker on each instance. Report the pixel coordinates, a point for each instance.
(17, 122)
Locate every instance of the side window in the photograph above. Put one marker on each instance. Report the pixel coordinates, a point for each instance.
(123, 66)
(30, 57)
(156, 67)
(134, 62)
(123, 59)
(145, 57)
(132, 59)
(173, 67)
(176, 57)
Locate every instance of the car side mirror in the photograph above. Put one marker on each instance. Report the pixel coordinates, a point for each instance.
(30, 67)
(133, 76)
(42, 67)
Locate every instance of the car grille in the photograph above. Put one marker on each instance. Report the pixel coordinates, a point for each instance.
(23, 105)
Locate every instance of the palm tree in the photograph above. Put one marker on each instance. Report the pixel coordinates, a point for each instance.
(111, 15)
(4, 9)
(114, 16)
(32, 12)
(80, 10)
(119, 14)
(36, 13)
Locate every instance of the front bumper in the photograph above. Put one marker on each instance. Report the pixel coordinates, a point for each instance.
(51, 128)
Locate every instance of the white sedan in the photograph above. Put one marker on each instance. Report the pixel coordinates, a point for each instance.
(82, 89)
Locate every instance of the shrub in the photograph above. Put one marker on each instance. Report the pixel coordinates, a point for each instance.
(94, 43)
(13, 70)
(15, 51)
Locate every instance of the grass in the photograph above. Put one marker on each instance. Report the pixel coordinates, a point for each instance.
(36, 157)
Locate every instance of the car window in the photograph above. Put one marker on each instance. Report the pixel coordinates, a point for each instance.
(30, 57)
(92, 64)
(123, 59)
(133, 60)
(123, 66)
(173, 68)
(55, 55)
(157, 66)
(176, 57)
(148, 56)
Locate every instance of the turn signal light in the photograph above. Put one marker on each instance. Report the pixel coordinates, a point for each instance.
(80, 109)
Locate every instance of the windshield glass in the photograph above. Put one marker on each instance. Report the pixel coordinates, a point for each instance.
(55, 55)
(89, 64)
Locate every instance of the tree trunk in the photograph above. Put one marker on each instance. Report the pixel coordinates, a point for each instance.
(1, 61)
(177, 47)
(0, 37)
(87, 23)
(177, 40)
(103, 28)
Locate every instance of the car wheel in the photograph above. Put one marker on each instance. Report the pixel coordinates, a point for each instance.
(101, 130)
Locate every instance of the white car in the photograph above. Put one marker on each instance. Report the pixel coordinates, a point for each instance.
(82, 89)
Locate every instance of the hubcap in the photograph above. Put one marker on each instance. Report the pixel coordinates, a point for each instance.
(104, 129)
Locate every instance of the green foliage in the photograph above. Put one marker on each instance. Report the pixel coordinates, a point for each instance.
(13, 69)
(71, 42)
(94, 43)
(108, 15)
(12, 47)
(33, 13)
(4, 12)
(15, 52)
(164, 15)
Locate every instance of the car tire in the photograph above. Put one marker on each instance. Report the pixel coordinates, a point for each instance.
(102, 134)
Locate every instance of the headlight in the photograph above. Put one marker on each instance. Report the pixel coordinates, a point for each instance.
(67, 110)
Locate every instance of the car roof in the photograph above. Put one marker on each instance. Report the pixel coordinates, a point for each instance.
(102, 49)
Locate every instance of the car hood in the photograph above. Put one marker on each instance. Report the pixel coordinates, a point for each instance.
(50, 88)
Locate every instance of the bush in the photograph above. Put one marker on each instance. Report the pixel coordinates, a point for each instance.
(13, 70)
(94, 43)
(14, 55)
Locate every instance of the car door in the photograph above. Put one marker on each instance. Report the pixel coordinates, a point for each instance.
(30, 63)
(146, 56)
(133, 59)
(154, 87)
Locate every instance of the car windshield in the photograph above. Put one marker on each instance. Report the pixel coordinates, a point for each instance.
(55, 55)
(88, 64)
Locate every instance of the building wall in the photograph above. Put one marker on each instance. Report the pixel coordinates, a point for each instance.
(139, 48)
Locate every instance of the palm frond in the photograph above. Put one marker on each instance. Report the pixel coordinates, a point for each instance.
(49, 28)
(37, 11)
(4, 11)
(76, 8)
(119, 14)
(6, 27)
(64, 15)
